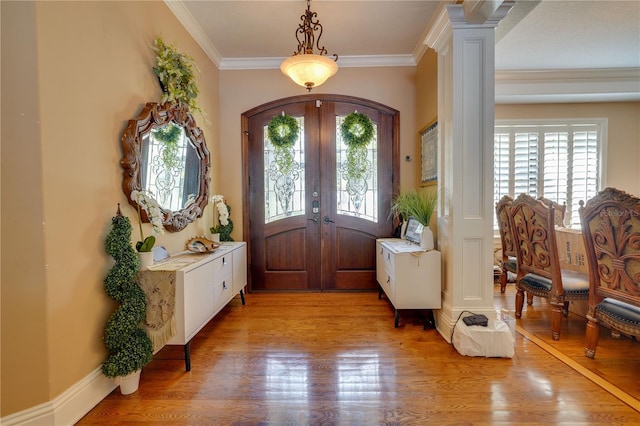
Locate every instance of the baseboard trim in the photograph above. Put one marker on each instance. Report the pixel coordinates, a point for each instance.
(68, 407)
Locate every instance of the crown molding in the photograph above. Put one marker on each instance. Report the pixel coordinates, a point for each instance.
(578, 85)
(343, 62)
(189, 23)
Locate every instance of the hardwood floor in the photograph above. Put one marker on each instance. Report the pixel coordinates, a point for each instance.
(336, 359)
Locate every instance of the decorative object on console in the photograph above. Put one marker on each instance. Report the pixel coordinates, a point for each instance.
(155, 215)
(146, 259)
(177, 75)
(224, 225)
(128, 345)
(419, 205)
(201, 245)
(304, 67)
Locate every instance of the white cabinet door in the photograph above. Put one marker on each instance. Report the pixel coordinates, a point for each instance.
(223, 285)
(199, 300)
(239, 268)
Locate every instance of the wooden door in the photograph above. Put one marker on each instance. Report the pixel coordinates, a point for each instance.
(313, 228)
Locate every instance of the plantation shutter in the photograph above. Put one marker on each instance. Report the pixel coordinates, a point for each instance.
(501, 169)
(560, 162)
(525, 168)
(585, 170)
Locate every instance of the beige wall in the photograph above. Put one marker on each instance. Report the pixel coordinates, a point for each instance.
(243, 90)
(426, 112)
(426, 93)
(23, 281)
(73, 73)
(623, 140)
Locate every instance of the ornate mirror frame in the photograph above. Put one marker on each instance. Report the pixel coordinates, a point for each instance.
(152, 116)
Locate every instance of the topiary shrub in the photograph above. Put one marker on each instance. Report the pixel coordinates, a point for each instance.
(129, 346)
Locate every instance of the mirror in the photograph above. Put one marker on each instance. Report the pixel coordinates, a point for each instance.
(166, 156)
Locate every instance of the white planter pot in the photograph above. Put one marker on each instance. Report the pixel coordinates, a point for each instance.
(215, 238)
(426, 240)
(146, 259)
(129, 384)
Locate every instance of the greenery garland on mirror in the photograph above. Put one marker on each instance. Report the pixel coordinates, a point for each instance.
(176, 73)
(357, 132)
(283, 131)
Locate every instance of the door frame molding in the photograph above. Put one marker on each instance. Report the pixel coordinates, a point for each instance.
(246, 228)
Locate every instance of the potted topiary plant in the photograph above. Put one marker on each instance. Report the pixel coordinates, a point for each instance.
(128, 345)
(419, 205)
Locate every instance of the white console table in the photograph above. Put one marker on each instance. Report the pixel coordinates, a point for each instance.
(204, 284)
(408, 275)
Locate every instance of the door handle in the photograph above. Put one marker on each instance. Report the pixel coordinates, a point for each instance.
(327, 220)
(315, 220)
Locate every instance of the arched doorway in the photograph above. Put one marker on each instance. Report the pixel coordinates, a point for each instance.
(309, 224)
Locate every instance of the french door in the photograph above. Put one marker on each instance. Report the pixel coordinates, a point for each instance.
(309, 224)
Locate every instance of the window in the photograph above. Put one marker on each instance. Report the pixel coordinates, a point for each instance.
(561, 161)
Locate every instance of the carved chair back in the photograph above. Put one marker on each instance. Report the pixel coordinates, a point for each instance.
(504, 225)
(560, 210)
(509, 263)
(611, 231)
(532, 224)
(539, 272)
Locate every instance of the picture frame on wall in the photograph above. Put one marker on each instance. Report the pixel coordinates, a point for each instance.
(429, 154)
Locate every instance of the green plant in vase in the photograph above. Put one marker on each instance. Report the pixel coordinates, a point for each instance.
(128, 345)
(419, 204)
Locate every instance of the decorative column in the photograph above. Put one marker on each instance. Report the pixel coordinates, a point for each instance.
(463, 37)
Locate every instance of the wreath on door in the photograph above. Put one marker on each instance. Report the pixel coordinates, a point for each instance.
(357, 133)
(283, 131)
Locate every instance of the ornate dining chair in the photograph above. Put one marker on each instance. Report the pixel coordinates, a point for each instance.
(509, 261)
(611, 231)
(560, 210)
(539, 273)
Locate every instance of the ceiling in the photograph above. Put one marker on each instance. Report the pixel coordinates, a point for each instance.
(546, 50)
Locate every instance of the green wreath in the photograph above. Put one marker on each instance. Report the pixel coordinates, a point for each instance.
(283, 131)
(357, 130)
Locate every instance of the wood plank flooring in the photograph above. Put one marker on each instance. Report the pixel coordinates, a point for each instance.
(336, 359)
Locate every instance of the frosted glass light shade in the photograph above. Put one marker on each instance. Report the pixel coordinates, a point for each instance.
(309, 70)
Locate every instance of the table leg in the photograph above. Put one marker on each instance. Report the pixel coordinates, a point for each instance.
(187, 356)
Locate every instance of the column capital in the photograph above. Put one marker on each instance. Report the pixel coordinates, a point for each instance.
(469, 15)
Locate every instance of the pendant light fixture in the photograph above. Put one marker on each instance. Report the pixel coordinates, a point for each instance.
(305, 67)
